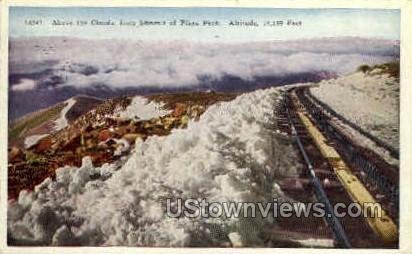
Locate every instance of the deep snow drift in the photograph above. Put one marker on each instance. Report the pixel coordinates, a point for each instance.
(233, 153)
(369, 100)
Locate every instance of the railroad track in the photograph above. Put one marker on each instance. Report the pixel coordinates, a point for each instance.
(341, 172)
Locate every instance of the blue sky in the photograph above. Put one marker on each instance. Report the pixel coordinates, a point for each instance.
(378, 23)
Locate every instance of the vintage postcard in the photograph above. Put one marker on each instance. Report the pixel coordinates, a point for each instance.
(218, 125)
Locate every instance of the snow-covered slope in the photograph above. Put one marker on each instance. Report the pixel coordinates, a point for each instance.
(233, 153)
(29, 129)
(368, 100)
(62, 121)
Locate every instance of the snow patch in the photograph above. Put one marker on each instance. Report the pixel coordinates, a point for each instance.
(32, 140)
(142, 109)
(313, 242)
(62, 122)
(123, 146)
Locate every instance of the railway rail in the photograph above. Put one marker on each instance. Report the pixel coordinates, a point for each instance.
(320, 193)
(335, 166)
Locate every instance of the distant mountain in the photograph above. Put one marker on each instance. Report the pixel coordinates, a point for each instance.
(22, 102)
(230, 83)
(37, 124)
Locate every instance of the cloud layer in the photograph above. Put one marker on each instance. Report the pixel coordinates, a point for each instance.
(83, 63)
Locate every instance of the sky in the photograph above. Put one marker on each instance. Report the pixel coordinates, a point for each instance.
(376, 23)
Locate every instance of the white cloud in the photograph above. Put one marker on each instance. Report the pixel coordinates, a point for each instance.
(127, 63)
(24, 84)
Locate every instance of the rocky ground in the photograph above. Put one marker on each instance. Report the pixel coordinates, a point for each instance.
(104, 133)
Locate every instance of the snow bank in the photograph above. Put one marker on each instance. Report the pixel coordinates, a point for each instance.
(370, 101)
(142, 109)
(62, 122)
(32, 140)
(231, 154)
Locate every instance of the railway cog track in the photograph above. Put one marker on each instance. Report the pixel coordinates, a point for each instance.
(302, 114)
